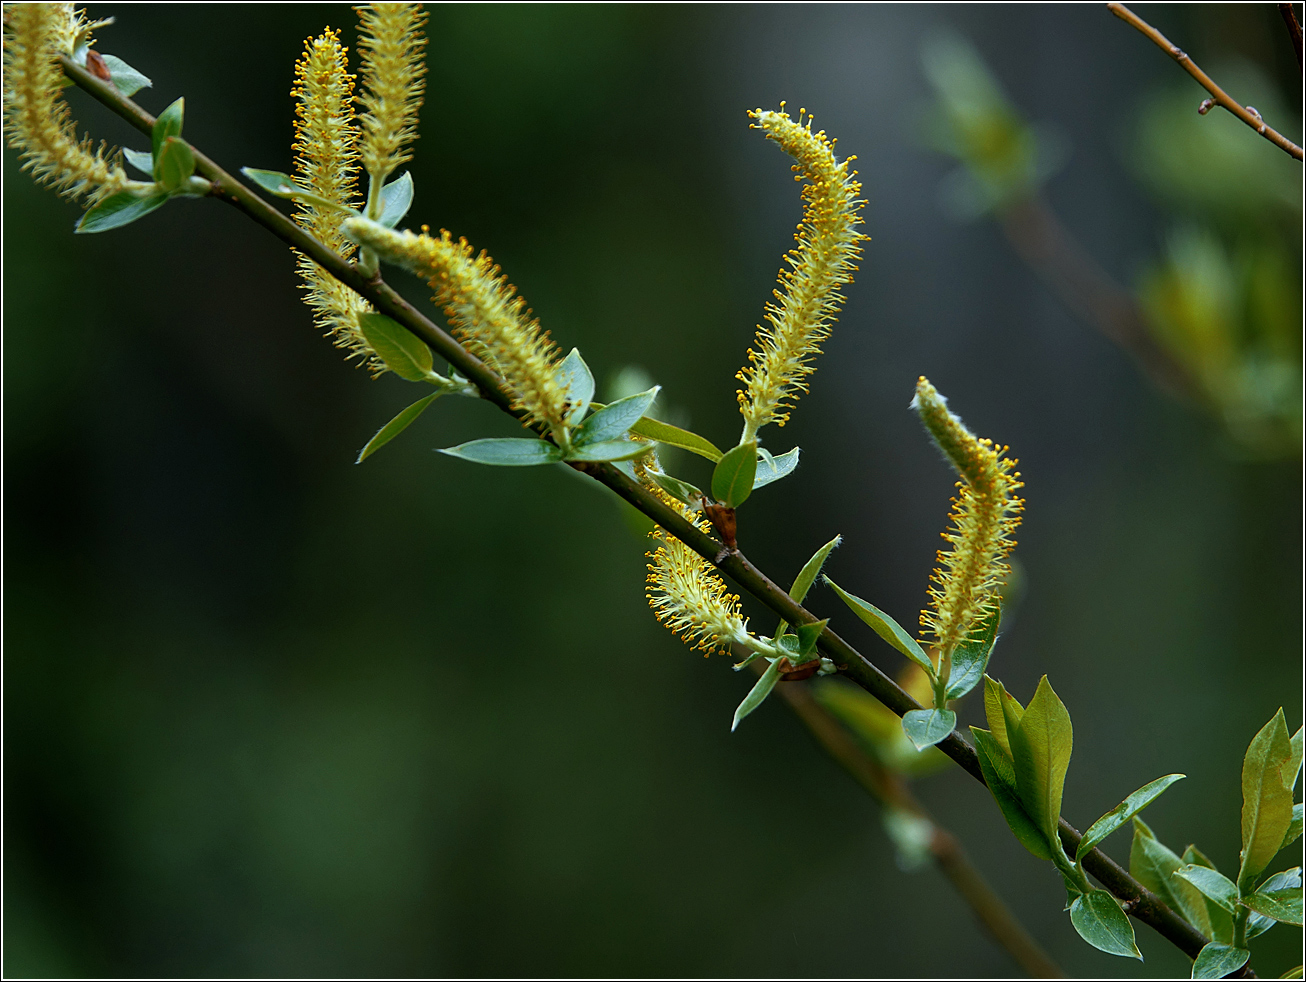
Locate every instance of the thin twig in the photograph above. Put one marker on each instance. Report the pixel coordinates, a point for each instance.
(1294, 28)
(1246, 114)
(1144, 906)
(891, 791)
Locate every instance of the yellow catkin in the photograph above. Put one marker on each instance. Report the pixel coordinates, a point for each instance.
(484, 310)
(687, 594)
(326, 163)
(964, 588)
(391, 47)
(37, 121)
(808, 298)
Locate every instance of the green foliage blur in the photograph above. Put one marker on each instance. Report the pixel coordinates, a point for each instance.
(269, 713)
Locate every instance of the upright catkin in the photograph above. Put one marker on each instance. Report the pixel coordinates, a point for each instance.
(37, 121)
(808, 298)
(326, 163)
(392, 49)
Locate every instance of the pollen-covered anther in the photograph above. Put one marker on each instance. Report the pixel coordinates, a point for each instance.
(392, 50)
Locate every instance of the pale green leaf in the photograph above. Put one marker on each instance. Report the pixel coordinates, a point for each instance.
(971, 657)
(402, 351)
(1154, 866)
(273, 181)
(1041, 744)
(176, 163)
(139, 159)
(807, 576)
(674, 436)
(1267, 800)
(1213, 884)
(396, 199)
(1294, 827)
(808, 635)
(167, 123)
(1258, 924)
(732, 480)
(614, 419)
(885, 626)
(127, 80)
(610, 450)
(1123, 812)
(1100, 921)
(998, 705)
(771, 469)
(1281, 904)
(678, 489)
(1001, 780)
(1220, 919)
(396, 426)
(756, 695)
(507, 452)
(119, 210)
(926, 727)
(578, 381)
(1217, 960)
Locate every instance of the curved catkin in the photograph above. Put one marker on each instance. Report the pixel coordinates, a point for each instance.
(484, 310)
(687, 594)
(326, 163)
(37, 121)
(808, 298)
(986, 511)
(392, 48)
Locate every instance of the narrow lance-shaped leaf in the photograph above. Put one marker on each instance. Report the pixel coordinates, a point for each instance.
(610, 450)
(681, 490)
(756, 695)
(926, 727)
(403, 353)
(971, 657)
(885, 626)
(998, 705)
(1040, 750)
(1221, 920)
(396, 426)
(614, 419)
(1154, 866)
(771, 469)
(1217, 960)
(1100, 921)
(119, 210)
(139, 159)
(1292, 768)
(1001, 779)
(674, 436)
(1267, 800)
(732, 481)
(168, 123)
(507, 452)
(1213, 884)
(396, 199)
(126, 79)
(1294, 827)
(273, 181)
(1123, 812)
(1289, 879)
(807, 576)
(575, 376)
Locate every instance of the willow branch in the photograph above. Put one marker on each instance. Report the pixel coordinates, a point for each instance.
(891, 791)
(1294, 29)
(1143, 905)
(1222, 98)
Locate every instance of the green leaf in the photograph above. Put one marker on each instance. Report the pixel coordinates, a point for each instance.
(575, 377)
(1221, 920)
(1292, 769)
(674, 436)
(926, 727)
(1040, 749)
(127, 80)
(1213, 884)
(509, 452)
(396, 199)
(1258, 924)
(175, 164)
(402, 351)
(1100, 921)
(732, 481)
(119, 210)
(1293, 973)
(614, 419)
(1000, 776)
(678, 489)
(610, 450)
(771, 469)
(808, 634)
(167, 124)
(396, 426)
(971, 656)
(1123, 812)
(1283, 904)
(757, 694)
(807, 576)
(273, 181)
(998, 705)
(885, 626)
(1267, 800)
(139, 159)
(1217, 960)
(1154, 866)
(1294, 827)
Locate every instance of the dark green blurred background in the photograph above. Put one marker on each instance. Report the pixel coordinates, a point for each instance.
(269, 713)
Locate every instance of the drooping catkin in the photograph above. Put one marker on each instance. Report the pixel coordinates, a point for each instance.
(967, 581)
(808, 298)
(393, 70)
(484, 310)
(37, 121)
(326, 163)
